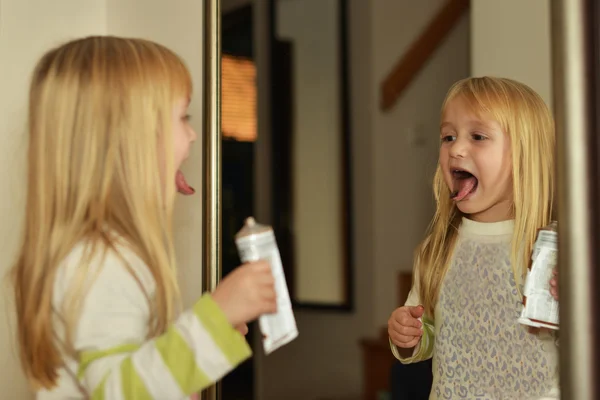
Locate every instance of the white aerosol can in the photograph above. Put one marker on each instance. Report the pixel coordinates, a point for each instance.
(257, 242)
(540, 309)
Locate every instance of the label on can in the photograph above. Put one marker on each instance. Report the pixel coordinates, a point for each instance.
(540, 309)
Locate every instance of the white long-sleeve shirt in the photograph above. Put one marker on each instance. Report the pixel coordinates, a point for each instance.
(115, 360)
(479, 348)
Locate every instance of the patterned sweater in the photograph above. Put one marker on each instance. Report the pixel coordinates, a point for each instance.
(479, 349)
(115, 359)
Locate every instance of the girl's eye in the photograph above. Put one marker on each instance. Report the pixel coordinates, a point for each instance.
(478, 137)
(448, 138)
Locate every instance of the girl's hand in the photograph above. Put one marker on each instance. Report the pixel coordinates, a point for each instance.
(243, 329)
(246, 293)
(554, 284)
(554, 293)
(404, 327)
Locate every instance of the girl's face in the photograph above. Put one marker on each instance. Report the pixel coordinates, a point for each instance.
(183, 136)
(475, 158)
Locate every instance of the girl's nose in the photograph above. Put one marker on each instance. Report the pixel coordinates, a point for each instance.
(459, 148)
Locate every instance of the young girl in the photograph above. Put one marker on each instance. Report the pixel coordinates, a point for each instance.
(95, 280)
(493, 188)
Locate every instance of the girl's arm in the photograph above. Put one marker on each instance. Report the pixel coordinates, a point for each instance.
(116, 362)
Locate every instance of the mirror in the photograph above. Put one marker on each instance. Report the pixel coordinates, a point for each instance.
(310, 150)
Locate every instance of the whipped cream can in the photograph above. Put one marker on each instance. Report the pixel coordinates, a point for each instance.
(540, 309)
(257, 242)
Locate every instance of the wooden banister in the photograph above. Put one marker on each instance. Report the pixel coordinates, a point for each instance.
(421, 50)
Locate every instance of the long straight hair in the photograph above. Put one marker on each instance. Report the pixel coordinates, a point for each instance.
(528, 122)
(100, 149)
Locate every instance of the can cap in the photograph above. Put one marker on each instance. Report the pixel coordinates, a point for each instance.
(251, 227)
(552, 226)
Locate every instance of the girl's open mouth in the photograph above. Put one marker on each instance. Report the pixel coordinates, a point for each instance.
(464, 183)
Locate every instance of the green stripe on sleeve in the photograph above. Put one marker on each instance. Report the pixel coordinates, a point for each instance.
(427, 347)
(180, 361)
(88, 357)
(230, 342)
(132, 385)
(98, 393)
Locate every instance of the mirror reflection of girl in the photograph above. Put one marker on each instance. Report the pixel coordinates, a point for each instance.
(494, 188)
(95, 280)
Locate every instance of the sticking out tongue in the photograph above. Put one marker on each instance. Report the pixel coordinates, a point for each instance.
(182, 185)
(464, 184)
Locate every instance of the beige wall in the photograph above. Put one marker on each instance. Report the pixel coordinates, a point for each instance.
(511, 38)
(317, 189)
(27, 29)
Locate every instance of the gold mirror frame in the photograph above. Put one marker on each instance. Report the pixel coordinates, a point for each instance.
(211, 158)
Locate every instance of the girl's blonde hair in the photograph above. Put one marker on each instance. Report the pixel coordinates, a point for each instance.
(100, 149)
(529, 125)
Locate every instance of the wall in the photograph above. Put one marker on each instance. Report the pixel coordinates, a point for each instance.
(522, 51)
(393, 156)
(27, 29)
(317, 190)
